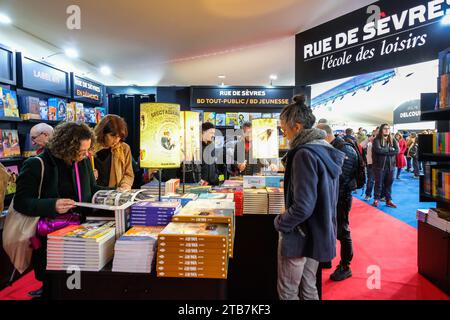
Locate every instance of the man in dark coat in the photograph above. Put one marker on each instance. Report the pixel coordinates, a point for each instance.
(347, 184)
(307, 229)
(209, 171)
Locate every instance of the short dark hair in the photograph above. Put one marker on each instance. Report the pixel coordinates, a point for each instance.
(207, 125)
(324, 121)
(348, 131)
(246, 125)
(298, 112)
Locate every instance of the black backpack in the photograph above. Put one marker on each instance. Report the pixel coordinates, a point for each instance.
(360, 174)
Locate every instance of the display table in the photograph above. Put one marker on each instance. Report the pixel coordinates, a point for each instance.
(108, 285)
(252, 274)
(434, 255)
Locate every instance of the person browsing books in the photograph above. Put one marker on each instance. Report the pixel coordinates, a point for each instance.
(307, 229)
(209, 171)
(40, 135)
(66, 151)
(112, 160)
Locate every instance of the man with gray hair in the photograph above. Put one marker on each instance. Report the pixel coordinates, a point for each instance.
(40, 135)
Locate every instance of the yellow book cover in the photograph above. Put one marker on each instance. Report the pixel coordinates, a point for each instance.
(434, 182)
(265, 139)
(209, 117)
(160, 135)
(231, 119)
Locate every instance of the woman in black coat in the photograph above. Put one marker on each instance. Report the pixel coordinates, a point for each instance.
(70, 144)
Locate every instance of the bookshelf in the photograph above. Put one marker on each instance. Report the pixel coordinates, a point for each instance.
(433, 152)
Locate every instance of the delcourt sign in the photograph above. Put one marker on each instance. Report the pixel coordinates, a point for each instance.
(408, 112)
(241, 96)
(384, 35)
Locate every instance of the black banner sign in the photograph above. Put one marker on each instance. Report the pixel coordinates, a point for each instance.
(7, 66)
(87, 90)
(241, 96)
(43, 77)
(408, 112)
(384, 35)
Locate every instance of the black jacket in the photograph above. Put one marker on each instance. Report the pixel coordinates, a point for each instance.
(347, 180)
(209, 171)
(311, 186)
(26, 198)
(384, 156)
(253, 167)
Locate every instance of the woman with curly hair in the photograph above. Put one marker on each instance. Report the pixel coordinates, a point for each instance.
(66, 151)
(113, 161)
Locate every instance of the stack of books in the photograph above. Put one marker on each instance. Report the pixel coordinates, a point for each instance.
(239, 202)
(193, 250)
(89, 246)
(256, 201)
(254, 182)
(156, 213)
(153, 186)
(203, 213)
(217, 196)
(135, 250)
(440, 183)
(435, 220)
(422, 214)
(182, 199)
(194, 188)
(276, 200)
(172, 185)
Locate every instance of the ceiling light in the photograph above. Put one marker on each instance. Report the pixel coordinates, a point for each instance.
(221, 76)
(105, 70)
(273, 77)
(446, 19)
(71, 53)
(5, 19)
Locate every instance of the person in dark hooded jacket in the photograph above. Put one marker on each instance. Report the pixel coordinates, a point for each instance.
(307, 229)
(347, 184)
(209, 171)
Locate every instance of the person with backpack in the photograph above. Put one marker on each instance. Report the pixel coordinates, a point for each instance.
(347, 184)
(385, 150)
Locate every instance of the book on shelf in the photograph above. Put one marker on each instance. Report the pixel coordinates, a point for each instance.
(100, 113)
(52, 113)
(9, 140)
(440, 183)
(43, 109)
(8, 103)
(89, 114)
(231, 119)
(243, 117)
(13, 172)
(220, 119)
(79, 112)
(209, 117)
(441, 143)
(60, 106)
(30, 148)
(29, 108)
(70, 112)
(443, 80)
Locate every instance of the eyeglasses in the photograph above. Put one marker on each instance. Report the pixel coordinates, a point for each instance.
(35, 137)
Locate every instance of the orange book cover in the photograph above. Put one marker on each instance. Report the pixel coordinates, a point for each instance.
(200, 275)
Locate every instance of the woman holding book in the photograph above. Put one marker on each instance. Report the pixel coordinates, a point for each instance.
(49, 184)
(113, 161)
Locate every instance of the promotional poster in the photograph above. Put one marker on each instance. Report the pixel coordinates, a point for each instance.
(160, 135)
(265, 138)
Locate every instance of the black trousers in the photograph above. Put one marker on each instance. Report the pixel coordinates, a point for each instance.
(383, 183)
(343, 227)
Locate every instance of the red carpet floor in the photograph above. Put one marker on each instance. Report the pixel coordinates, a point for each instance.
(379, 240)
(383, 241)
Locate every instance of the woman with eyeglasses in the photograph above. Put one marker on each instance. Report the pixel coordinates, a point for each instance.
(113, 161)
(65, 154)
(385, 150)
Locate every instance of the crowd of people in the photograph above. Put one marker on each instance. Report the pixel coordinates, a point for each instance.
(322, 170)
